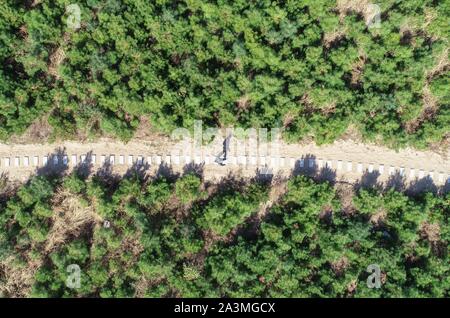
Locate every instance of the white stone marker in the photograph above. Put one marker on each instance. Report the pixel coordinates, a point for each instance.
(130, 159)
(360, 167)
(44, 160)
(121, 159)
(412, 173)
(349, 166)
(93, 159)
(197, 160)
(7, 162)
(35, 161)
(167, 160)
(253, 161)
(292, 162)
(274, 162)
(421, 174)
(16, 161)
(187, 159)
(65, 160)
(74, 160)
(158, 160)
(262, 161)
(26, 161)
(441, 178)
(339, 165)
(320, 163)
(83, 158)
(381, 169)
(391, 170)
(55, 160)
(370, 169)
(329, 164)
(140, 160)
(175, 159)
(302, 163)
(431, 174)
(311, 163)
(149, 160)
(402, 171)
(112, 159)
(102, 159)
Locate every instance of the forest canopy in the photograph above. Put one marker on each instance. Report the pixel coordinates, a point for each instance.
(143, 237)
(313, 67)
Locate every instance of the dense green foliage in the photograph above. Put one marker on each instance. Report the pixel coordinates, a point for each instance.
(303, 65)
(203, 241)
(308, 247)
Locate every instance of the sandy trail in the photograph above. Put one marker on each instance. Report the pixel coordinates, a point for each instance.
(363, 157)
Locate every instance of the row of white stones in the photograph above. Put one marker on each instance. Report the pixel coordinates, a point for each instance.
(270, 162)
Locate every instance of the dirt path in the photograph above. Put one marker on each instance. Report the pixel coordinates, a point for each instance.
(348, 159)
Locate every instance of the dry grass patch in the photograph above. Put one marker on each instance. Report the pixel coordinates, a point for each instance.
(277, 190)
(243, 103)
(352, 133)
(144, 129)
(378, 218)
(431, 232)
(328, 109)
(430, 102)
(35, 3)
(307, 103)
(56, 59)
(23, 32)
(288, 119)
(69, 218)
(130, 244)
(339, 266)
(442, 66)
(430, 108)
(351, 287)
(38, 132)
(7, 187)
(332, 38)
(361, 7)
(441, 147)
(16, 280)
(345, 192)
(357, 70)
